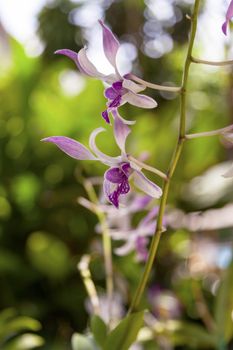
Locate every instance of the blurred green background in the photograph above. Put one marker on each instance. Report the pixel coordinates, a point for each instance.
(43, 230)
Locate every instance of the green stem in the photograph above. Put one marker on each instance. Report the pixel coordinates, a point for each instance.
(148, 167)
(83, 267)
(210, 133)
(181, 138)
(107, 244)
(153, 86)
(212, 63)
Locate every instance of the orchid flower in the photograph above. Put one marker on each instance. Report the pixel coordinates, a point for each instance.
(116, 178)
(136, 239)
(122, 90)
(229, 15)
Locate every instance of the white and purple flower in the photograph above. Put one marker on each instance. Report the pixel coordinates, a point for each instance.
(122, 90)
(229, 16)
(116, 178)
(136, 239)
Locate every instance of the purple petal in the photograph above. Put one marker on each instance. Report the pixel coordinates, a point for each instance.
(126, 248)
(121, 132)
(124, 187)
(140, 203)
(150, 216)
(114, 199)
(101, 156)
(224, 27)
(141, 248)
(110, 93)
(126, 168)
(117, 86)
(73, 56)
(229, 15)
(148, 229)
(110, 44)
(142, 101)
(116, 102)
(106, 116)
(110, 192)
(71, 147)
(115, 175)
(87, 66)
(145, 185)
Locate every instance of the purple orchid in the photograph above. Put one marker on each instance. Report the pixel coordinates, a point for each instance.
(122, 90)
(229, 15)
(136, 239)
(116, 178)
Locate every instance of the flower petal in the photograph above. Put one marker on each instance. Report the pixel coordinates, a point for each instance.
(132, 86)
(149, 217)
(105, 159)
(141, 243)
(138, 100)
(110, 192)
(110, 93)
(229, 173)
(73, 56)
(229, 15)
(87, 67)
(106, 116)
(115, 175)
(140, 203)
(110, 44)
(126, 248)
(71, 147)
(115, 114)
(224, 27)
(145, 185)
(121, 132)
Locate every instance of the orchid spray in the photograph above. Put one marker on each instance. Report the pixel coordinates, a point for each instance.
(124, 173)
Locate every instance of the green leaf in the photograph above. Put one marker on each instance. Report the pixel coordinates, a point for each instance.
(99, 330)
(24, 342)
(186, 333)
(224, 306)
(17, 325)
(6, 315)
(81, 342)
(125, 333)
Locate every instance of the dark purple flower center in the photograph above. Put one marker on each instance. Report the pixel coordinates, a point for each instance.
(113, 94)
(119, 176)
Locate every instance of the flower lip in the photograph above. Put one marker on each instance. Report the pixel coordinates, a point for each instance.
(115, 175)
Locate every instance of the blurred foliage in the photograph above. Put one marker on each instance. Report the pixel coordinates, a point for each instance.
(44, 232)
(13, 328)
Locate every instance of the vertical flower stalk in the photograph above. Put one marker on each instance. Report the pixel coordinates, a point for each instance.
(177, 152)
(107, 245)
(83, 267)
